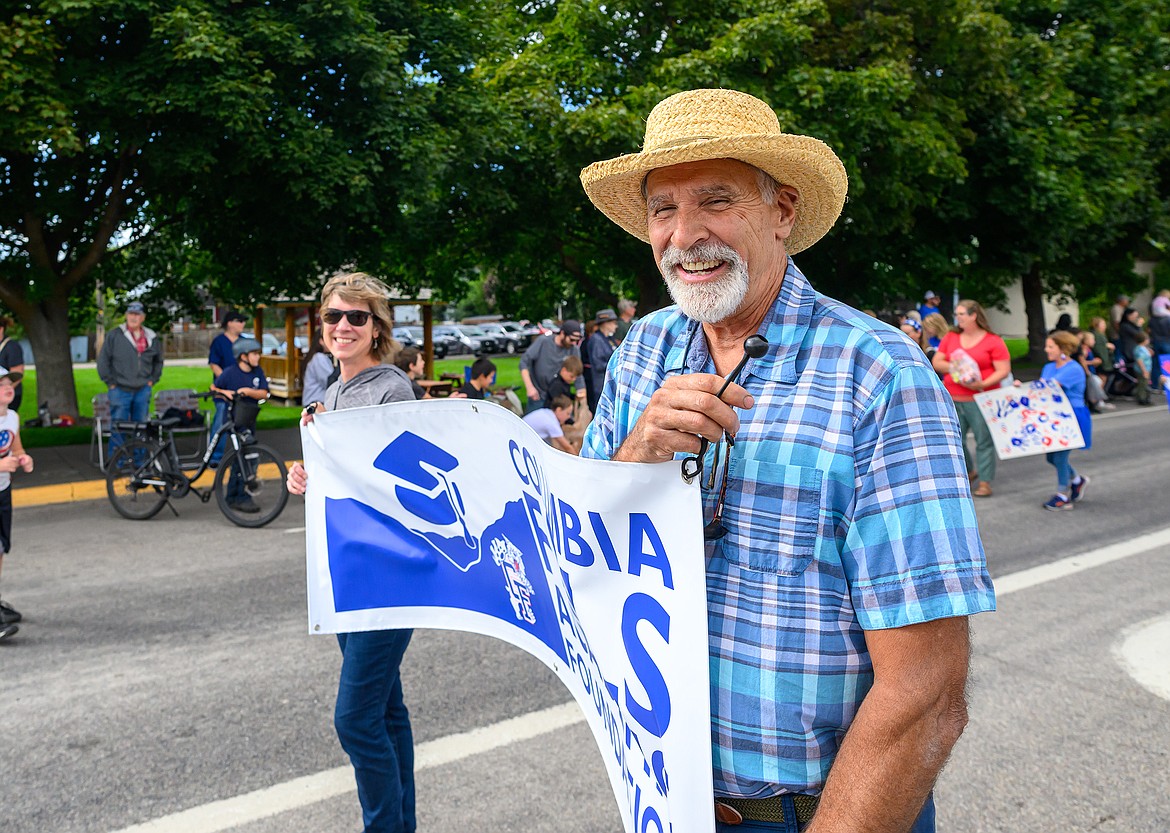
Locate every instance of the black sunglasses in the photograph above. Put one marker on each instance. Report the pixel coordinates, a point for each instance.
(356, 317)
(714, 529)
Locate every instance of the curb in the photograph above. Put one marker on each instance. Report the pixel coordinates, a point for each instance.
(86, 490)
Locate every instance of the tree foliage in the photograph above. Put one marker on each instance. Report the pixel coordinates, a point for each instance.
(238, 148)
(984, 141)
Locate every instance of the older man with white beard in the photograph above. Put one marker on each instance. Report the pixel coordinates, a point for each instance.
(842, 559)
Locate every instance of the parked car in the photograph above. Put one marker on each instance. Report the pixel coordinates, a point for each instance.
(300, 342)
(488, 343)
(508, 339)
(270, 344)
(459, 341)
(413, 337)
(524, 332)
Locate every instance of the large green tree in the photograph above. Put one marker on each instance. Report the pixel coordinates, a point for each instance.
(274, 139)
(982, 143)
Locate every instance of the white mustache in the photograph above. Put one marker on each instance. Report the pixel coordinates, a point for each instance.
(673, 256)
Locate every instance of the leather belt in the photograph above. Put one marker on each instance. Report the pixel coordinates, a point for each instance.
(735, 810)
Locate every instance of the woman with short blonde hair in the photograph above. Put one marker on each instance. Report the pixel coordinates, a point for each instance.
(370, 716)
(359, 288)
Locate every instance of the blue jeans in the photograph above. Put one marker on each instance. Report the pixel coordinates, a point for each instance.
(923, 824)
(127, 404)
(221, 408)
(373, 726)
(1064, 470)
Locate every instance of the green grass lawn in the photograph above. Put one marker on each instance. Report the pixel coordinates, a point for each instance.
(274, 414)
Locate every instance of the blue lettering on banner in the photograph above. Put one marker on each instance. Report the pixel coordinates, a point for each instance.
(577, 549)
(641, 528)
(654, 718)
(557, 532)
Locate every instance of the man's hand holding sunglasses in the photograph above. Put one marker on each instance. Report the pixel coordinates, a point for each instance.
(682, 410)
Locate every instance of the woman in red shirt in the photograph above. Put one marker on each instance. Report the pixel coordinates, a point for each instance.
(972, 359)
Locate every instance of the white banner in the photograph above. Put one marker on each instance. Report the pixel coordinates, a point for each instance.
(454, 514)
(1034, 418)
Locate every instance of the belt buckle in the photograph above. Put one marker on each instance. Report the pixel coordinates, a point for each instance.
(726, 814)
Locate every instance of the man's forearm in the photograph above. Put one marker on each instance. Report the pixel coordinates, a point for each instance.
(902, 736)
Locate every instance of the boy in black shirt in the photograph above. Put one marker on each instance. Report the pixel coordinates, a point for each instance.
(483, 371)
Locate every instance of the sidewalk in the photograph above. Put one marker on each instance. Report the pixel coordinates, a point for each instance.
(64, 473)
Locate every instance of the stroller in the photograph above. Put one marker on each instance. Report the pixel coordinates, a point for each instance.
(1121, 380)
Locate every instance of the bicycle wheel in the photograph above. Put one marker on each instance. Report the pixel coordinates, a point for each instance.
(136, 481)
(250, 487)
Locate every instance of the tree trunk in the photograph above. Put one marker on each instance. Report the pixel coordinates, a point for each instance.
(47, 326)
(1033, 287)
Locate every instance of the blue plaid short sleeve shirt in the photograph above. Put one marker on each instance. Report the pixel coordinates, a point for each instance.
(848, 509)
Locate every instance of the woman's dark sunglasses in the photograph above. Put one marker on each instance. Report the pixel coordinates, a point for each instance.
(356, 317)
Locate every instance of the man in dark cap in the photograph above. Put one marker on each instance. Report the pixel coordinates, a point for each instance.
(219, 359)
(598, 348)
(542, 360)
(130, 363)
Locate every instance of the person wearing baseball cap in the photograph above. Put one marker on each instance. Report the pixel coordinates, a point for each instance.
(841, 562)
(130, 363)
(595, 355)
(542, 361)
(220, 357)
(930, 302)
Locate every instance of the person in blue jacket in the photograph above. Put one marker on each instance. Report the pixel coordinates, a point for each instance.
(1061, 348)
(219, 359)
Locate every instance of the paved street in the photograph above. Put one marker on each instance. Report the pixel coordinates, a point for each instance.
(165, 665)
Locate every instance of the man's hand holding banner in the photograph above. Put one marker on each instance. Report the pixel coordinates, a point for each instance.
(456, 515)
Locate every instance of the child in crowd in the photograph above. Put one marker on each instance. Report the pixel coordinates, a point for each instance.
(547, 423)
(12, 457)
(1143, 367)
(479, 386)
(1061, 348)
(1095, 383)
(562, 384)
(245, 379)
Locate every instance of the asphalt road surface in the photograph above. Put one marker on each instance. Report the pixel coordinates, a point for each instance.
(164, 680)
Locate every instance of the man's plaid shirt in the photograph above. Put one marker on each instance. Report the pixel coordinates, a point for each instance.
(848, 509)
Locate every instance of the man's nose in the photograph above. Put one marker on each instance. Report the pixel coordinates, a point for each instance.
(689, 228)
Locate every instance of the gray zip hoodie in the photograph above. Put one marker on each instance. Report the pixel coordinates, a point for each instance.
(121, 365)
(373, 386)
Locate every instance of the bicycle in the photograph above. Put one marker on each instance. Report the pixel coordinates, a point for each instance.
(147, 470)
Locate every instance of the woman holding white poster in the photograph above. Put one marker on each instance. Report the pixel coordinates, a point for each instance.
(972, 359)
(1062, 367)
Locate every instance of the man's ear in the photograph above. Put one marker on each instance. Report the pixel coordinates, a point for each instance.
(787, 199)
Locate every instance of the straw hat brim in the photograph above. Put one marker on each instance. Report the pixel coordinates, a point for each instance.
(803, 162)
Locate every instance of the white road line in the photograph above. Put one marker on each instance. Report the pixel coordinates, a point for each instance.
(1144, 655)
(1076, 563)
(294, 530)
(301, 792)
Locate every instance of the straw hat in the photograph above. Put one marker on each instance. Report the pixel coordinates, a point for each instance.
(723, 124)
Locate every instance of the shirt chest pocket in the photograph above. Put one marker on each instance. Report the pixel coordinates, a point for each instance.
(773, 518)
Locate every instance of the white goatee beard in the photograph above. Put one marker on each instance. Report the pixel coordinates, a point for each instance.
(711, 301)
